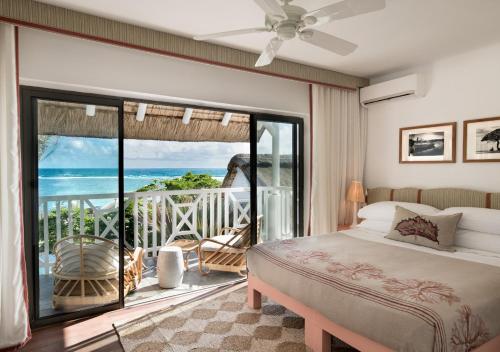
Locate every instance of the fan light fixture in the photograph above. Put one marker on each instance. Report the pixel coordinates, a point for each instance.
(289, 21)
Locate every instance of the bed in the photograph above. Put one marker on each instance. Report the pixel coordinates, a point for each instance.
(377, 294)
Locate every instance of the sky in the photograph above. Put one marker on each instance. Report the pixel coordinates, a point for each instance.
(81, 152)
(84, 152)
(166, 154)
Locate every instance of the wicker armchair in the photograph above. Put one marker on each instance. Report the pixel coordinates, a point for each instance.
(86, 272)
(227, 252)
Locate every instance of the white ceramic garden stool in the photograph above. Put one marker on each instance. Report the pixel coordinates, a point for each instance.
(170, 267)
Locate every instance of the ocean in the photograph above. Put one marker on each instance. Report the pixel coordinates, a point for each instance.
(97, 181)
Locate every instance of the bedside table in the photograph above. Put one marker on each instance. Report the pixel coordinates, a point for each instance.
(343, 227)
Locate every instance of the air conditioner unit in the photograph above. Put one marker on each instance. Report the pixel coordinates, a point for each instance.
(401, 87)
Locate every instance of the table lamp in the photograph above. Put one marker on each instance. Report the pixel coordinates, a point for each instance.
(356, 195)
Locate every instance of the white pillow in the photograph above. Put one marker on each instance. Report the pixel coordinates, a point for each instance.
(385, 210)
(477, 240)
(376, 225)
(477, 219)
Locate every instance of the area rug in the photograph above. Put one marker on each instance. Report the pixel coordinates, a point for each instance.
(221, 323)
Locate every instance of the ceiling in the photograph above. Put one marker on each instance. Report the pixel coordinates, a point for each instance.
(406, 33)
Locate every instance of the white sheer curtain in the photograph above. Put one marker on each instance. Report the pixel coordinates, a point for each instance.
(14, 321)
(339, 125)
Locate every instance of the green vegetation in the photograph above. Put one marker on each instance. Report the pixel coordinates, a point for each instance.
(188, 181)
(185, 182)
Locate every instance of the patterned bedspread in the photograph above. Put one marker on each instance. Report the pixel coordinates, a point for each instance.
(404, 299)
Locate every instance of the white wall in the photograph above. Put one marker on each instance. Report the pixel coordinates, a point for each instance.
(458, 88)
(68, 61)
(63, 62)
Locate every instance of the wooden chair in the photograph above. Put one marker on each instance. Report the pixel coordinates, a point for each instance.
(132, 273)
(227, 252)
(86, 272)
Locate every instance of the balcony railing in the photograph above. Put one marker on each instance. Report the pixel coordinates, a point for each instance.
(156, 218)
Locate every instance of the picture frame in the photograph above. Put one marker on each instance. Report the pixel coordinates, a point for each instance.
(428, 144)
(482, 140)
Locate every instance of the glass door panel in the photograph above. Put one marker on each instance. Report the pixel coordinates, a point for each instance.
(277, 167)
(77, 248)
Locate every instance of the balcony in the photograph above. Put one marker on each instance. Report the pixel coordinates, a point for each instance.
(154, 219)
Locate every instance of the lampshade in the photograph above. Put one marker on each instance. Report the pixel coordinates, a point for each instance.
(356, 193)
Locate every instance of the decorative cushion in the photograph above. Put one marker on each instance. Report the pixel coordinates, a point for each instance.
(432, 231)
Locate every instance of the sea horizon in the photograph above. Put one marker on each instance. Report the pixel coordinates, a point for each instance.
(77, 181)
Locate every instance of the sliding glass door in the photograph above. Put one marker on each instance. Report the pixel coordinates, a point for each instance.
(74, 203)
(78, 240)
(277, 177)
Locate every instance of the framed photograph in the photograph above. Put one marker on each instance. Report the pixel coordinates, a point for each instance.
(428, 144)
(482, 140)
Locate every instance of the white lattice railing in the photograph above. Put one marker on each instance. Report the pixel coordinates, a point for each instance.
(158, 217)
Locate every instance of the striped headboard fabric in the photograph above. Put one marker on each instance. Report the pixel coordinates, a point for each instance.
(440, 198)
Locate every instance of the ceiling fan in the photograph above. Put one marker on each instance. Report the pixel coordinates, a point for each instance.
(289, 21)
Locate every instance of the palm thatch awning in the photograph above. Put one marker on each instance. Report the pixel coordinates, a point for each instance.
(161, 122)
(264, 170)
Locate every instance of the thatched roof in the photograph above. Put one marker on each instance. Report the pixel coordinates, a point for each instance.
(162, 122)
(264, 169)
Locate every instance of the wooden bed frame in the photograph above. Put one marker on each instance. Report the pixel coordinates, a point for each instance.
(318, 328)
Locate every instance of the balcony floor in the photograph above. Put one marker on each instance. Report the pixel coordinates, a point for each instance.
(148, 289)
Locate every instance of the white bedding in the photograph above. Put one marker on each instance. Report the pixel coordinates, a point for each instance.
(461, 253)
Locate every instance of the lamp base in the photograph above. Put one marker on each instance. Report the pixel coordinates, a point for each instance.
(354, 214)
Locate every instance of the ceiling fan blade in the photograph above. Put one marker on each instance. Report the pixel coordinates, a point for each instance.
(269, 52)
(230, 33)
(345, 9)
(272, 9)
(328, 42)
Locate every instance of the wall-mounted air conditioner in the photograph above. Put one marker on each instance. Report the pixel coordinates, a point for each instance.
(396, 88)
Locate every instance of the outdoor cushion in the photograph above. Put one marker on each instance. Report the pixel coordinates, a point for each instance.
(212, 247)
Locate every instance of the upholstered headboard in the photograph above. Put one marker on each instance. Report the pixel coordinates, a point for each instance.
(440, 198)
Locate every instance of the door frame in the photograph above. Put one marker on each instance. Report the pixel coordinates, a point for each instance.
(29, 156)
(298, 169)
